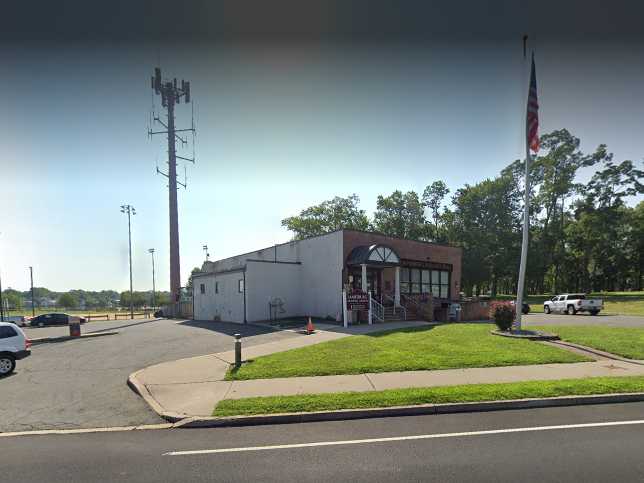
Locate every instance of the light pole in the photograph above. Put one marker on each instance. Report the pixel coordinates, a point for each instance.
(154, 300)
(129, 209)
(33, 303)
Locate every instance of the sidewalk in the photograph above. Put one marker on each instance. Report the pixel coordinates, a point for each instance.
(193, 386)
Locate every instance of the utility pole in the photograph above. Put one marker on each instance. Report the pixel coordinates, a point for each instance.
(171, 94)
(33, 302)
(154, 299)
(129, 209)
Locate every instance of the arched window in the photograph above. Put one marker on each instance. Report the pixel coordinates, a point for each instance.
(373, 255)
(382, 254)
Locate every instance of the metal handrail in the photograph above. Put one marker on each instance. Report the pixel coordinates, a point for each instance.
(377, 309)
(397, 306)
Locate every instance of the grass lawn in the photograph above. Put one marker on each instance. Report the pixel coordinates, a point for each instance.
(431, 395)
(439, 347)
(623, 341)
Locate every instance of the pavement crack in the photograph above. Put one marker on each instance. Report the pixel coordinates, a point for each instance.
(370, 382)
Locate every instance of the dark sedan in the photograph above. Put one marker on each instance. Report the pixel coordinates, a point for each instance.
(525, 308)
(53, 319)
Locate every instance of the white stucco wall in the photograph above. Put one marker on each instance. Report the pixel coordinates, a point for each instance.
(321, 275)
(266, 281)
(286, 252)
(312, 287)
(228, 304)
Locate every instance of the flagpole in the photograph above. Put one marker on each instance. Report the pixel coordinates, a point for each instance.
(524, 241)
(526, 221)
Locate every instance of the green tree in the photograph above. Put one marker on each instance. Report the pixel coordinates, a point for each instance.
(328, 216)
(68, 300)
(139, 299)
(12, 298)
(433, 197)
(486, 224)
(402, 215)
(553, 182)
(605, 232)
(189, 285)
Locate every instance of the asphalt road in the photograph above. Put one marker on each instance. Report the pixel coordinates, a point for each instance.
(570, 453)
(584, 319)
(82, 383)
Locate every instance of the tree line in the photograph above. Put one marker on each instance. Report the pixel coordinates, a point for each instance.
(83, 299)
(584, 236)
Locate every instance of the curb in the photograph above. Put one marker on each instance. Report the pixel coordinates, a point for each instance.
(536, 335)
(607, 355)
(64, 338)
(424, 409)
(139, 388)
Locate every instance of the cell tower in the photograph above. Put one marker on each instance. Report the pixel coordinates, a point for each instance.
(171, 94)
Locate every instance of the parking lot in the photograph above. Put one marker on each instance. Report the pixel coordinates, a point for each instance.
(82, 383)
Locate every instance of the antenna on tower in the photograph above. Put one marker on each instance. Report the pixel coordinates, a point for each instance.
(171, 93)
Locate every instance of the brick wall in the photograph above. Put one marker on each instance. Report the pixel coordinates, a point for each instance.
(410, 250)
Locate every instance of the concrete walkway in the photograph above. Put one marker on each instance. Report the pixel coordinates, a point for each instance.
(193, 386)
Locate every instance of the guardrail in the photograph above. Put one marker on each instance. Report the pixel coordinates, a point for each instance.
(131, 316)
(97, 317)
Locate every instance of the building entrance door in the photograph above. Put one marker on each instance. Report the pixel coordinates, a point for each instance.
(374, 281)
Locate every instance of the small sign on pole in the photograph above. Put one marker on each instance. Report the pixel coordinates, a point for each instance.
(357, 301)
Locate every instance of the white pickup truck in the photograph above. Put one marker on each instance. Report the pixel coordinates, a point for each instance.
(572, 303)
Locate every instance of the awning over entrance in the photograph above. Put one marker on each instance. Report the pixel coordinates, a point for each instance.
(373, 255)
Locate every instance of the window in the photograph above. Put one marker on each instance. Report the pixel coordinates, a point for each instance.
(241, 285)
(383, 254)
(417, 281)
(6, 332)
(426, 287)
(404, 280)
(202, 288)
(216, 287)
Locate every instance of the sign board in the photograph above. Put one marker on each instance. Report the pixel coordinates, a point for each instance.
(357, 301)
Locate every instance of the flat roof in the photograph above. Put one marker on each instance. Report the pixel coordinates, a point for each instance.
(330, 233)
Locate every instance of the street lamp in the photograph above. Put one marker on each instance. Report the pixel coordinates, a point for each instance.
(129, 209)
(154, 300)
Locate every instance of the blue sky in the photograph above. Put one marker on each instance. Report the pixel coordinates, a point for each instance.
(279, 128)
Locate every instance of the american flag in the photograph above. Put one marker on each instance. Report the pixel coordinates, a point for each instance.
(532, 118)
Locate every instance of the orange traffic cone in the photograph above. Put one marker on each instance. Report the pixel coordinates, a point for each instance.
(309, 327)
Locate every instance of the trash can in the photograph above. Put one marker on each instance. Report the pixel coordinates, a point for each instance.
(454, 312)
(74, 327)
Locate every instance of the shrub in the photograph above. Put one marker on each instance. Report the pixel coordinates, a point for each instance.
(503, 314)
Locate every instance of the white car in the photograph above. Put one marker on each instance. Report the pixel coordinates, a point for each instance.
(572, 303)
(14, 346)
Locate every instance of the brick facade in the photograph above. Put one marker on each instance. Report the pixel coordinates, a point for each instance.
(412, 253)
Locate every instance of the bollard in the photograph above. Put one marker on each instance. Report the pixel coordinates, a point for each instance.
(74, 328)
(238, 357)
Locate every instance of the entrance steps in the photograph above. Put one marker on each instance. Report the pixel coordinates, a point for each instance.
(390, 316)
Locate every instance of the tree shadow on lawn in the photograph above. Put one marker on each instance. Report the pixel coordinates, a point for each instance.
(425, 328)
